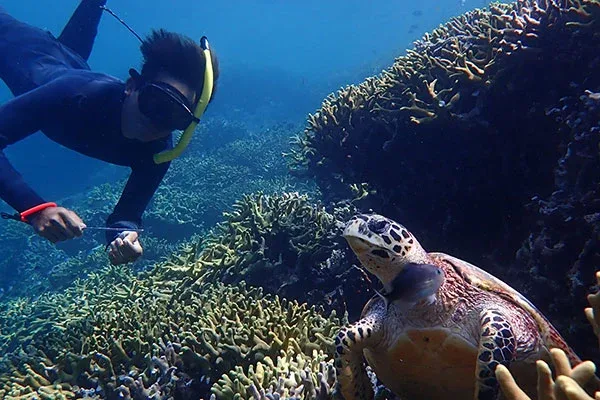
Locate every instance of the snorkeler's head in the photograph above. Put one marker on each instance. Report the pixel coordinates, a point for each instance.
(178, 56)
(166, 91)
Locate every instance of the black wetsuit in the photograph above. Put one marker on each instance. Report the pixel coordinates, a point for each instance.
(56, 93)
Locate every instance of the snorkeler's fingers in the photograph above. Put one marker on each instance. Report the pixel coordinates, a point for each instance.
(49, 234)
(509, 387)
(58, 229)
(112, 257)
(72, 222)
(132, 236)
(128, 250)
(132, 250)
(115, 254)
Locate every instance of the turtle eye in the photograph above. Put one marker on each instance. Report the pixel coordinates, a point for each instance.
(378, 226)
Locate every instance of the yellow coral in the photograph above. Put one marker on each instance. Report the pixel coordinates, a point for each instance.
(569, 382)
(593, 313)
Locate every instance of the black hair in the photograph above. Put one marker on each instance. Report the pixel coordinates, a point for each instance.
(177, 55)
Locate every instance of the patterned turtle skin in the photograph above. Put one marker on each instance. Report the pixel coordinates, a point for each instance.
(445, 347)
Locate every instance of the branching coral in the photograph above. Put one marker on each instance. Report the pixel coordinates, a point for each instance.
(121, 335)
(175, 330)
(288, 377)
(569, 380)
(563, 249)
(296, 243)
(440, 78)
(593, 313)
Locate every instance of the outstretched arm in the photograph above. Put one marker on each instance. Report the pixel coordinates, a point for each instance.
(19, 118)
(141, 186)
(81, 30)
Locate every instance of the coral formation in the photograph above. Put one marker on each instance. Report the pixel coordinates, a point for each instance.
(120, 335)
(569, 381)
(294, 242)
(563, 248)
(289, 377)
(458, 123)
(175, 329)
(449, 75)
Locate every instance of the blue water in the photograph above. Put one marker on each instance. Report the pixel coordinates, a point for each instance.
(278, 60)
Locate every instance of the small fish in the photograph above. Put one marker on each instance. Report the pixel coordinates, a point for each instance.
(416, 282)
(417, 13)
(413, 28)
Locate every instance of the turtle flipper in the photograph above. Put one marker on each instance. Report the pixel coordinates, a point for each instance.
(497, 345)
(353, 383)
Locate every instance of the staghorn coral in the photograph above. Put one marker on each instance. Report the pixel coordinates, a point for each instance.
(289, 377)
(117, 334)
(168, 331)
(440, 78)
(296, 243)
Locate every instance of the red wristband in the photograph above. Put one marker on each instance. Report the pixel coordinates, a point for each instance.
(35, 209)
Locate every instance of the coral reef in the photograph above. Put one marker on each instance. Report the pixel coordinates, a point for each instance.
(563, 248)
(120, 335)
(286, 237)
(289, 377)
(458, 123)
(177, 330)
(569, 381)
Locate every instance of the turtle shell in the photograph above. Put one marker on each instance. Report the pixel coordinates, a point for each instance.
(488, 282)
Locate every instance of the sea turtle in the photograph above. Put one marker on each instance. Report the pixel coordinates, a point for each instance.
(447, 342)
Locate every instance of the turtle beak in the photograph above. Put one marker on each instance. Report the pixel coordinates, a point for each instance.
(358, 245)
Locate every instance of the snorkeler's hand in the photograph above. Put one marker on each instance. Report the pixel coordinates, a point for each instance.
(125, 248)
(57, 224)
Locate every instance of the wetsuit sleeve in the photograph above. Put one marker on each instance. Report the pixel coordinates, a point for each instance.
(19, 118)
(81, 30)
(140, 187)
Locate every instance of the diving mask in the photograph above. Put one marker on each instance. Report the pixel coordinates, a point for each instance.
(165, 106)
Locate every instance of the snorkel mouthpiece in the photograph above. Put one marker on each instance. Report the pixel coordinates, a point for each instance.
(207, 89)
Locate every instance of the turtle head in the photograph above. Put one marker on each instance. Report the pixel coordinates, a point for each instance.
(383, 246)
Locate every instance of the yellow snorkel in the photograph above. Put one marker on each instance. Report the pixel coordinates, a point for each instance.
(207, 89)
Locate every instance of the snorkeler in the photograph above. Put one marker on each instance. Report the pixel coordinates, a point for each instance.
(124, 123)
